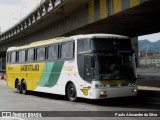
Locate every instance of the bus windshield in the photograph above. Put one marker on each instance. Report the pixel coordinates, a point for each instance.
(115, 66)
(106, 59)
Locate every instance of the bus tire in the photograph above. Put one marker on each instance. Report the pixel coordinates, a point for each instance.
(71, 92)
(24, 87)
(18, 86)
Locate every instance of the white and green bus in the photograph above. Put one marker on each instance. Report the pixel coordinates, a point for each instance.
(93, 66)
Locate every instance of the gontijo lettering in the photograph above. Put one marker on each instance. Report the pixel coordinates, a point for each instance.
(30, 67)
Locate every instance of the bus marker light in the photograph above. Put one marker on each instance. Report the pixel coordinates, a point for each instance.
(134, 90)
(103, 94)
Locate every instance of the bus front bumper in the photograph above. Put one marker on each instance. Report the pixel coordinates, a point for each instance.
(102, 93)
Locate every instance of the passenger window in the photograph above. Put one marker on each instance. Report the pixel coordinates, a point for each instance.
(40, 53)
(83, 45)
(9, 57)
(30, 56)
(22, 56)
(13, 56)
(53, 52)
(67, 50)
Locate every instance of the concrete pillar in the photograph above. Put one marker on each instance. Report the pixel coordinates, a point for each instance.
(135, 48)
(2, 61)
(2, 68)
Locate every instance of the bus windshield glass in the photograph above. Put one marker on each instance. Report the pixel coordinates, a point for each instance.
(114, 59)
(115, 66)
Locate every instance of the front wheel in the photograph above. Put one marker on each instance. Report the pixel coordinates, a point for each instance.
(72, 93)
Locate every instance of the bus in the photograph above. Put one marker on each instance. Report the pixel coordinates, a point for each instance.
(93, 66)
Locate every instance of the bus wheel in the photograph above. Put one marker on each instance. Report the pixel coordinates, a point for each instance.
(18, 87)
(71, 92)
(24, 87)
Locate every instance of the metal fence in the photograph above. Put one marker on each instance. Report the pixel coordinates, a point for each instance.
(149, 62)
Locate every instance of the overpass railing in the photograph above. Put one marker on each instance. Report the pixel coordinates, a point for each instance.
(44, 8)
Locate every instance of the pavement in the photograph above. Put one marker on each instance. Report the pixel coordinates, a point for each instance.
(148, 88)
(12, 101)
(148, 77)
(148, 71)
(149, 84)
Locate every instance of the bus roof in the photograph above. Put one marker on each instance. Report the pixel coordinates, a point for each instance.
(101, 35)
(63, 39)
(36, 44)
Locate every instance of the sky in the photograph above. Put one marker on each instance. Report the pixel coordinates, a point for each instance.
(11, 11)
(152, 37)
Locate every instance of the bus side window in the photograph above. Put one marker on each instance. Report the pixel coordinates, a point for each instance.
(22, 56)
(30, 55)
(67, 50)
(13, 57)
(53, 52)
(83, 45)
(9, 57)
(40, 53)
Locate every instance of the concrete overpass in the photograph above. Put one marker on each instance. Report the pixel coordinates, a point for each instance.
(53, 18)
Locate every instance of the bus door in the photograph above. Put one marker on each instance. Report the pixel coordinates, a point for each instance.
(87, 68)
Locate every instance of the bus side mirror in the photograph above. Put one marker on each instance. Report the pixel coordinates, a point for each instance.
(92, 63)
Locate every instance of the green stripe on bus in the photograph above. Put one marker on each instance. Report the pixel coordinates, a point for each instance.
(55, 73)
(50, 74)
(46, 73)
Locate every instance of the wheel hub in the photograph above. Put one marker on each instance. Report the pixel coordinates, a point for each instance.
(72, 92)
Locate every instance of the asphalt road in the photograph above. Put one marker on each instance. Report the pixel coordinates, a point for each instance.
(149, 72)
(149, 77)
(10, 100)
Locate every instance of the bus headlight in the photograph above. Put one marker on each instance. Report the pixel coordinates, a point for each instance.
(103, 92)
